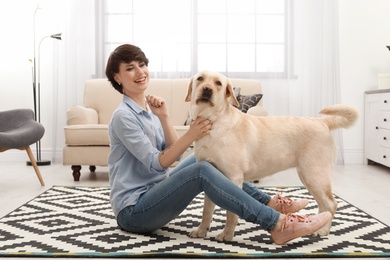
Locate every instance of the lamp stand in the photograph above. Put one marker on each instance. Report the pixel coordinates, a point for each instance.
(37, 91)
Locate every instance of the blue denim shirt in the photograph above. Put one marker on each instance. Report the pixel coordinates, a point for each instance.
(136, 139)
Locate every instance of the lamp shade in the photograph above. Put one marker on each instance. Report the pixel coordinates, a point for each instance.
(56, 36)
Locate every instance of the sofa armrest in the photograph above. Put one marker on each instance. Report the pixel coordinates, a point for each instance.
(257, 111)
(181, 129)
(79, 115)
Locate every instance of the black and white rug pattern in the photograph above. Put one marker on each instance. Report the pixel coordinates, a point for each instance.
(78, 222)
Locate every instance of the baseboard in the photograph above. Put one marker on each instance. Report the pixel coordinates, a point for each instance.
(353, 156)
(15, 155)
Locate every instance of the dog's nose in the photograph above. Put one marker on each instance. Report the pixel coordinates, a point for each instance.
(207, 91)
(205, 95)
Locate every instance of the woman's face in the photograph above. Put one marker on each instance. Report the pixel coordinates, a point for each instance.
(133, 76)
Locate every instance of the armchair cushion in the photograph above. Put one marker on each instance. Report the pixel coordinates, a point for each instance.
(79, 115)
(88, 134)
(257, 111)
(18, 128)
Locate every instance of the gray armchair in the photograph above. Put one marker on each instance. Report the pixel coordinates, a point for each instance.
(18, 130)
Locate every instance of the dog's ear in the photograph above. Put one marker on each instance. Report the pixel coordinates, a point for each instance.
(189, 93)
(230, 93)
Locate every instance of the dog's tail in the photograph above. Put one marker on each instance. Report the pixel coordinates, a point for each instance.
(339, 116)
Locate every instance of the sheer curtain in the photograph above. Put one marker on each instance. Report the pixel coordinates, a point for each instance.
(74, 62)
(314, 81)
(309, 39)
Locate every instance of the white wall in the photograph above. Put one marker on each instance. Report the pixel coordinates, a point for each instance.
(363, 34)
(16, 71)
(16, 48)
(15, 51)
(65, 65)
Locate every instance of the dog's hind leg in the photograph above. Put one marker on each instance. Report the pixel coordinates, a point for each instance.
(317, 181)
(207, 217)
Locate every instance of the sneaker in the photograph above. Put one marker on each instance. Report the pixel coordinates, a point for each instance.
(295, 226)
(286, 205)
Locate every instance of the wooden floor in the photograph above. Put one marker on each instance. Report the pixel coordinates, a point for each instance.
(365, 186)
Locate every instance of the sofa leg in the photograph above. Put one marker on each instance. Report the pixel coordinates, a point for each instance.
(76, 172)
(92, 168)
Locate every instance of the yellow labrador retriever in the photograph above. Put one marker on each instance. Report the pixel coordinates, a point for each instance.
(246, 147)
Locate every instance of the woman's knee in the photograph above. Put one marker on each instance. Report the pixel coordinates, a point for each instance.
(205, 167)
(208, 171)
(183, 164)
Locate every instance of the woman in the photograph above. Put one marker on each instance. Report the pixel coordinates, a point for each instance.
(144, 143)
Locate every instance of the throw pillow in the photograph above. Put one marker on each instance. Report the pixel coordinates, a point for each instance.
(246, 102)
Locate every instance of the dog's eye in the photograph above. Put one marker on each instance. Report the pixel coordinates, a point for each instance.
(218, 83)
(199, 79)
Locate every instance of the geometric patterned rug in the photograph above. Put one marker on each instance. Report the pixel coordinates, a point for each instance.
(78, 222)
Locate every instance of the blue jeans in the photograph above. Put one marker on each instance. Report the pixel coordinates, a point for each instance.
(168, 198)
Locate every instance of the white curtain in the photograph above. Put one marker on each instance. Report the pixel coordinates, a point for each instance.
(313, 68)
(314, 81)
(74, 62)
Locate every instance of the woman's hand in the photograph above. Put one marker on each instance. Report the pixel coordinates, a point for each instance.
(157, 105)
(200, 127)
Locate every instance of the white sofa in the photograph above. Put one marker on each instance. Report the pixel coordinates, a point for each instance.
(86, 132)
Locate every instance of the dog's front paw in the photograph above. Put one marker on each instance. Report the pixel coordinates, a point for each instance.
(324, 231)
(198, 233)
(225, 236)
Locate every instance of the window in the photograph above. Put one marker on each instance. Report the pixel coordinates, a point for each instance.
(185, 36)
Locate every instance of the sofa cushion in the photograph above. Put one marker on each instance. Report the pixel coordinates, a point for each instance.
(91, 134)
(101, 96)
(174, 92)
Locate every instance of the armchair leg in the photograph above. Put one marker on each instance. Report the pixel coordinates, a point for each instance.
(76, 172)
(34, 164)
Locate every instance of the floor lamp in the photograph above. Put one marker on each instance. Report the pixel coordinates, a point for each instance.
(37, 90)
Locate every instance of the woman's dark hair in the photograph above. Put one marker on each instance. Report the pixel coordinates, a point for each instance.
(125, 53)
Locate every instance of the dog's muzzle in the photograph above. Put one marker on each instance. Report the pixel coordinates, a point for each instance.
(205, 96)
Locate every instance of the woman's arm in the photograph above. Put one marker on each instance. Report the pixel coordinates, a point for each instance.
(170, 133)
(198, 128)
(176, 146)
(159, 108)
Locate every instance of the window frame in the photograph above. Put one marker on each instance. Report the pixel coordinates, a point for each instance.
(103, 42)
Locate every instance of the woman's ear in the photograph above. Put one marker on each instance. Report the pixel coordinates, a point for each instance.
(117, 79)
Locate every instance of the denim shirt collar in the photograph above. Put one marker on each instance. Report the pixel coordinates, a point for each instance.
(133, 105)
